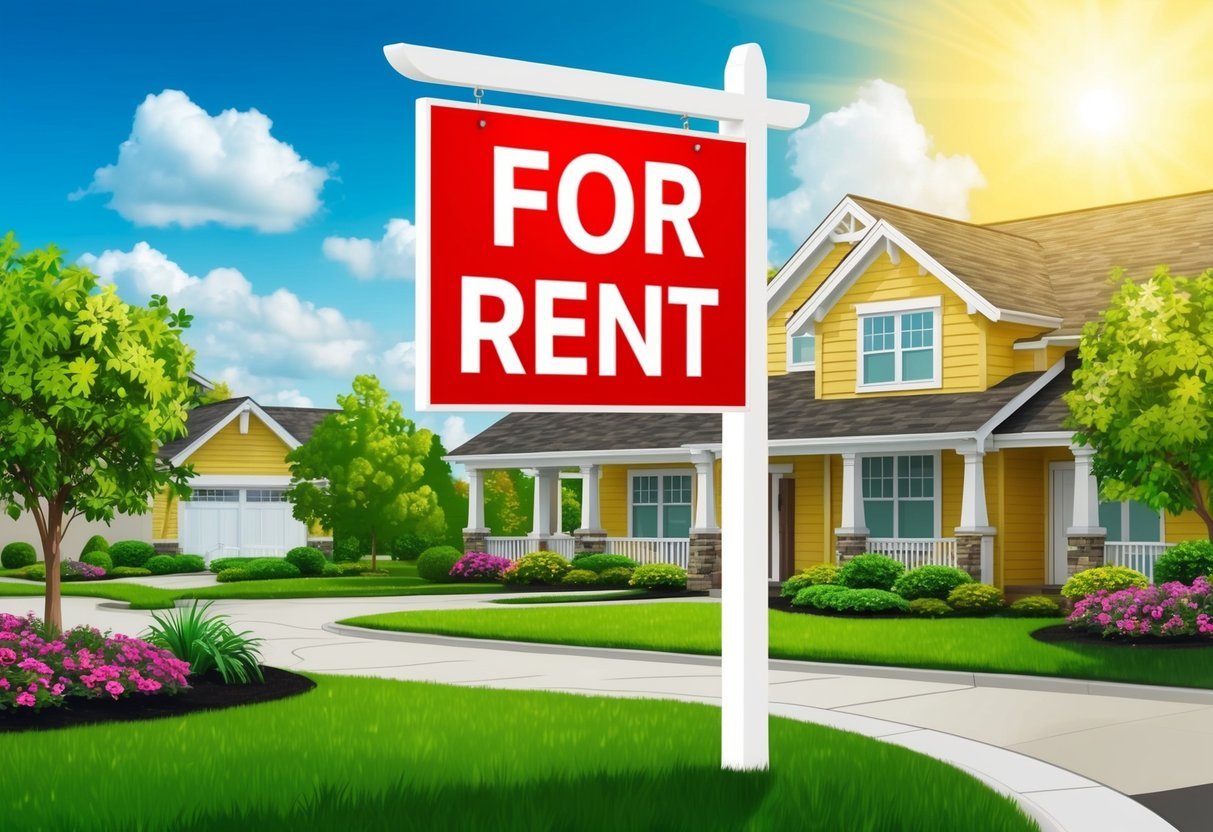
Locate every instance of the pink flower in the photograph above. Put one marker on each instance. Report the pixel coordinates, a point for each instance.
(57, 690)
(113, 688)
(26, 700)
(7, 656)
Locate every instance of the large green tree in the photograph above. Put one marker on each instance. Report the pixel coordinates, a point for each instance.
(509, 499)
(1143, 396)
(452, 501)
(362, 470)
(89, 387)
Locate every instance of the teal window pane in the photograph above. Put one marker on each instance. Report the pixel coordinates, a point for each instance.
(916, 518)
(917, 330)
(1109, 518)
(878, 517)
(877, 477)
(1145, 526)
(878, 333)
(878, 368)
(644, 521)
(644, 489)
(676, 489)
(802, 349)
(917, 365)
(676, 521)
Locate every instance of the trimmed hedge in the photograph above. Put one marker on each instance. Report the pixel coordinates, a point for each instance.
(930, 607)
(129, 572)
(659, 576)
(436, 562)
(96, 543)
(1036, 606)
(189, 563)
(408, 547)
(865, 600)
(259, 569)
(601, 563)
(975, 599)
(580, 577)
(1185, 562)
(814, 596)
(131, 552)
(870, 571)
(931, 581)
(17, 555)
(536, 568)
(822, 573)
(615, 576)
(161, 565)
(1112, 578)
(309, 561)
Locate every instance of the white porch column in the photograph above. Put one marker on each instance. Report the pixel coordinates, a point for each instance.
(853, 522)
(705, 492)
(974, 518)
(475, 501)
(590, 516)
(1086, 496)
(545, 479)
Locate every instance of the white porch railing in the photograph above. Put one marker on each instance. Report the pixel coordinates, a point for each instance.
(1139, 556)
(674, 550)
(913, 552)
(510, 547)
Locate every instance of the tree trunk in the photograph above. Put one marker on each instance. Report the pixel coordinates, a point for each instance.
(1202, 507)
(374, 564)
(53, 614)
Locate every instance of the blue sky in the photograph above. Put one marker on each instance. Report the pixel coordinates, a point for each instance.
(74, 74)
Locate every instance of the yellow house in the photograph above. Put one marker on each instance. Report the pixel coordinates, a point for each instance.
(238, 452)
(916, 371)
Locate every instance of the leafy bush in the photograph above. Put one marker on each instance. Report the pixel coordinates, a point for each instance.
(131, 552)
(259, 569)
(34, 572)
(16, 555)
(930, 582)
(310, 562)
(814, 596)
(580, 577)
(930, 607)
(659, 576)
(233, 574)
(346, 549)
(865, 600)
(220, 564)
(189, 563)
(1165, 610)
(69, 570)
(601, 563)
(354, 567)
(975, 598)
(537, 568)
(435, 563)
(480, 566)
(207, 643)
(1185, 562)
(1035, 606)
(615, 576)
(870, 572)
(822, 573)
(331, 570)
(1112, 578)
(99, 558)
(129, 572)
(161, 565)
(96, 543)
(408, 547)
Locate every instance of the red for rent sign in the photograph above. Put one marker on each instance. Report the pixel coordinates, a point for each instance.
(570, 264)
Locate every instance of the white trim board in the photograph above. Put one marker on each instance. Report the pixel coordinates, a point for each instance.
(247, 406)
(812, 251)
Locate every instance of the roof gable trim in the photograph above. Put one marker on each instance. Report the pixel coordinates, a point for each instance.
(846, 215)
(248, 406)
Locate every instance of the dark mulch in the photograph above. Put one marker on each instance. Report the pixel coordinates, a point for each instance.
(569, 589)
(1062, 634)
(206, 693)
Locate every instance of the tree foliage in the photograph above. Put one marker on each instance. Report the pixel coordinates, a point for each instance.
(362, 471)
(1143, 396)
(509, 500)
(221, 392)
(452, 500)
(570, 505)
(90, 386)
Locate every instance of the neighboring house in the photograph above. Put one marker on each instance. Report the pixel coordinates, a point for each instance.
(238, 452)
(916, 370)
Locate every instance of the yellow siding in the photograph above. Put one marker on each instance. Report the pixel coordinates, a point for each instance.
(812, 546)
(1185, 526)
(777, 344)
(884, 281)
(1001, 357)
(164, 517)
(259, 451)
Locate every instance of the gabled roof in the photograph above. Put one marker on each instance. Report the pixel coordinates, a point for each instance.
(294, 425)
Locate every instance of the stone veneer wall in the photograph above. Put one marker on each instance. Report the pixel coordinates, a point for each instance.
(968, 554)
(1084, 552)
(850, 545)
(703, 561)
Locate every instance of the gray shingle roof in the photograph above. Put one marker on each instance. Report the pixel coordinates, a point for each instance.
(1047, 410)
(299, 422)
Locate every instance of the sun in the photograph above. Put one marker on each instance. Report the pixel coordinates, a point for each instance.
(1101, 110)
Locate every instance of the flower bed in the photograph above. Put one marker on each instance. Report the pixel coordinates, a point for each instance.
(1164, 611)
(82, 662)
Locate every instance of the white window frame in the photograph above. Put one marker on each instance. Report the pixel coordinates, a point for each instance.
(897, 308)
(1124, 524)
(659, 473)
(802, 366)
(937, 499)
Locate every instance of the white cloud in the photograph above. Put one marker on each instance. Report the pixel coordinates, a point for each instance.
(183, 166)
(389, 257)
(399, 366)
(454, 432)
(265, 391)
(872, 147)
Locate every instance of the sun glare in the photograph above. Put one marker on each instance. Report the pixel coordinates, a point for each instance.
(1101, 110)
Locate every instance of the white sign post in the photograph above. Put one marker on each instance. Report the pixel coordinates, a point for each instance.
(743, 111)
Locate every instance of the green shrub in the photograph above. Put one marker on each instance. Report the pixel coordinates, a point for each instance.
(346, 549)
(1112, 578)
(128, 572)
(189, 563)
(17, 555)
(331, 570)
(34, 572)
(601, 563)
(355, 567)
(615, 576)
(870, 572)
(207, 642)
(131, 552)
(96, 543)
(930, 607)
(865, 600)
(814, 596)
(537, 568)
(1185, 562)
(259, 569)
(580, 577)
(434, 564)
(408, 547)
(1036, 606)
(98, 557)
(161, 565)
(307, 560)
(930, 582)
(822, 573)
(659, 576)
(233, 574)
(973, 599)
(219, 564)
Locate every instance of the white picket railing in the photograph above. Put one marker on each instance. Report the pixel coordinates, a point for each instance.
(916, 551)
(510, 547)
(676, 550)
(1139, 556)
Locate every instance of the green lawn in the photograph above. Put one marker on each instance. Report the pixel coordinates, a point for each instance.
(372, 754)
(998, 645)
(576, 598)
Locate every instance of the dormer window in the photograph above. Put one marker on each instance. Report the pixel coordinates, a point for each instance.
(899, 345)
(801, 350)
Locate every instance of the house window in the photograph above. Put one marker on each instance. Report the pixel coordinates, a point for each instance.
(899, 495)
(1130, 522)
(661, 505)
(899, 345)
(215, 495)
(265, 495)
(801, 351)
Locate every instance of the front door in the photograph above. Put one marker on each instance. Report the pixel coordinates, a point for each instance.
(1061, 517)
(781, 528)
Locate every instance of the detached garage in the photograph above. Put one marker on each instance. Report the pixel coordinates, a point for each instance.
(237, 509)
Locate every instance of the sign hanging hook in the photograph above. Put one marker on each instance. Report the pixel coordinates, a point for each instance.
(686, 121)
(478, 94)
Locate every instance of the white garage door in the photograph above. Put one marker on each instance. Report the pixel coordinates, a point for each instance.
(239, 522)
